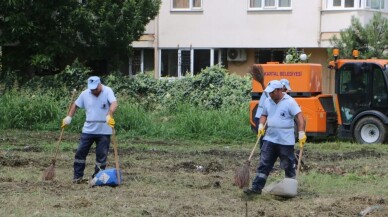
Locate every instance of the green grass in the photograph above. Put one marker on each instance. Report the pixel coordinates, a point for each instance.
(331, 184)
(44, 111)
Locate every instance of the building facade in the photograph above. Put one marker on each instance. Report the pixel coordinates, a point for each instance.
(189, 35)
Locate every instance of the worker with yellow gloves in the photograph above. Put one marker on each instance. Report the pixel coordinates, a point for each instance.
(260, 130)
(278, 113)
(99, 103)
(110, 121)
(302, 138)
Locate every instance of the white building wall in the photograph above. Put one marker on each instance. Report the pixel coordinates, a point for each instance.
(308, 25)
(229, 23)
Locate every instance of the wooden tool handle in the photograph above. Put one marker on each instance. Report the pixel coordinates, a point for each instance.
(254, 147)
(301, 150)
(299, 161)
(116, 154)
(63, 129)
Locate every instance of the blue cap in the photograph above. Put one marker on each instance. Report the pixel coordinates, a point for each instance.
(93, 82)
(272, 85)
(286, 83)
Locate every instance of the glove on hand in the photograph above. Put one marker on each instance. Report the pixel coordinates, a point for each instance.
(110, 121)
(261, 130)
(66, 121)
(302, 138)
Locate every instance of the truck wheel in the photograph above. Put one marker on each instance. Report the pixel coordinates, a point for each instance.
(370, 130)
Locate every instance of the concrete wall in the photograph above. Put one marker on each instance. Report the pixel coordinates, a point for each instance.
(228, 23)
(308, 25)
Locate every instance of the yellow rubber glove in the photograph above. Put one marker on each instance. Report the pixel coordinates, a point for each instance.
(260, 130)
(66, 121)
(302, 138)
(110, 121)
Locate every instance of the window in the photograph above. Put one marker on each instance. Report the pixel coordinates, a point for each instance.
(380, 98)
(176, 63)
(135, 63)
(255, 4)
(185, 65)
(186, 4)
(142, 60)
(353, 89)
(201, 60)
(375, 4)
(269, 55)
(285, 3)
(269, 4)
(353, 81)
(340, 4)
(169, 64)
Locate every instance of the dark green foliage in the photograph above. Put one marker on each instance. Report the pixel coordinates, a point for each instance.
(213, 88)
(27, 110)
(371, 40)
(42, 37)
(213, 104)
(293, 56)
(72, 77)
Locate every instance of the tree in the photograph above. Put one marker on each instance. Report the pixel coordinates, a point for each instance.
(371, 40)
(45, 36)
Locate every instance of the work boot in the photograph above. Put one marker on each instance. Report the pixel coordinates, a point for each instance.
(251, 191)
(79, 181)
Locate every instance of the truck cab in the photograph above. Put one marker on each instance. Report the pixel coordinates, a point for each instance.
(361, 88)
(306, 83)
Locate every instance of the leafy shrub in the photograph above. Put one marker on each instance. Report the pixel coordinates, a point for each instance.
(26, 110)
(211, 104)
(72, 77)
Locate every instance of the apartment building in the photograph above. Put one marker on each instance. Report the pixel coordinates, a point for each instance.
(189, 35)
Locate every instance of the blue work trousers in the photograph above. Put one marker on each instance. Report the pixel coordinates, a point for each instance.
(268, 156)
(102, 149)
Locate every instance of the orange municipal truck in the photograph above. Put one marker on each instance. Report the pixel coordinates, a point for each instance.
(360, 114)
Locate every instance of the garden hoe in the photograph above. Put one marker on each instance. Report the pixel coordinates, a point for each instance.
(49, 173)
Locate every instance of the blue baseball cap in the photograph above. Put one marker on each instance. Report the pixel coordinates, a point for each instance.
(93, 82)
(286, 83)
(272, 85)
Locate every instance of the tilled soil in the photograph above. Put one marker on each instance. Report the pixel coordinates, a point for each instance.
(163, 182)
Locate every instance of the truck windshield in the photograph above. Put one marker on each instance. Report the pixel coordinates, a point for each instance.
(354, 89)
(380, 88)
(362, 86)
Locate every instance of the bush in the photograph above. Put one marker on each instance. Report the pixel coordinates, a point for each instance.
(27, 110)
(211, 104)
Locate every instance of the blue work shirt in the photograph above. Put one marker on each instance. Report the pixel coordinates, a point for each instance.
(97, 108)
(259, 110)
(280, 120)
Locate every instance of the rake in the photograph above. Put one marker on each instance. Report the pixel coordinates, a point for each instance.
(49, 173)
(241, 177)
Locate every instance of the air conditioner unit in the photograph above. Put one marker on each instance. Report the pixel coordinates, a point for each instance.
(235, 54)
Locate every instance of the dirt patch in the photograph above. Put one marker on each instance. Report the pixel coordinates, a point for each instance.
(214, 166)
(198, 183)
(316, 156)
(14, 161)
(190, 166)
